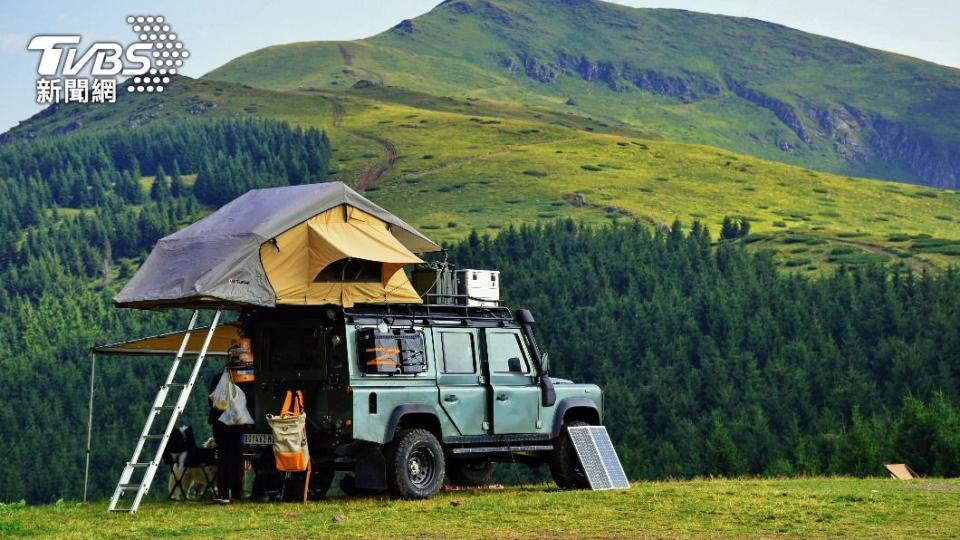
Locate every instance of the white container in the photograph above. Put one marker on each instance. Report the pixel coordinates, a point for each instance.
(481, 286)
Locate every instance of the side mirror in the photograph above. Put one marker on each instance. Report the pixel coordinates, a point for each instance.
(514, 365)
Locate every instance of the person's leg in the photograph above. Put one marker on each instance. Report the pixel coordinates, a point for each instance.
(236, 464)
(221, 435)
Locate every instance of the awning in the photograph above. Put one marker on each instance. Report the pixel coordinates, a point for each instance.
(224, 337)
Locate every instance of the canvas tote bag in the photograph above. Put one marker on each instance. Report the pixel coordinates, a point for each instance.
(290, 434)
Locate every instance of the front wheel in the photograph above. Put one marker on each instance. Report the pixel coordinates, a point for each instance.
(565, 465)
(415, 465)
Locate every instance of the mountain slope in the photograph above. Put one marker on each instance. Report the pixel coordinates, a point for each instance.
(742, 84)
(450, 166)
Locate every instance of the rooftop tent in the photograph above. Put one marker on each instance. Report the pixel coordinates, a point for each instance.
(341, 256)
(310, 244)
(224, 337)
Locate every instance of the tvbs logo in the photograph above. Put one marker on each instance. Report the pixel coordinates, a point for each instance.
(156, 55)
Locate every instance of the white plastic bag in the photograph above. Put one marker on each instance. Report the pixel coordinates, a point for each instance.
(221, 394)
(236, 413)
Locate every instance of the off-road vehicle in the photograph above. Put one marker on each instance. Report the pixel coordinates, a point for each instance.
(405, 396)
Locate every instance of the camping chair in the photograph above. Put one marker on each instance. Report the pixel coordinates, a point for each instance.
(182, 449)
(198, 457)
(176, 445)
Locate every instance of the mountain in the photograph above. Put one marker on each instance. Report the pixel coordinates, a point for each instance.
(741, 84)
(450, 166)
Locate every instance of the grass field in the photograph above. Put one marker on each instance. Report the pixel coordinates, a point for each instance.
(789, 508)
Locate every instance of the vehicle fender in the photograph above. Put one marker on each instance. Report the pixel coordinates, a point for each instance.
(571, 403)
(402, 410)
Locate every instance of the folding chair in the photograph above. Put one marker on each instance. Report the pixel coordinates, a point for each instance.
(176, 445)
(197, 456)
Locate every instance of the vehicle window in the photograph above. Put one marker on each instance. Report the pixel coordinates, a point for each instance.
(458, 352)
(501, 347)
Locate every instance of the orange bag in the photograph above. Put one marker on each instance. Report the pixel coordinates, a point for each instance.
(290, 449)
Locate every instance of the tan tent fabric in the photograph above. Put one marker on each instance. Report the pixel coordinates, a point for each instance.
(294, 258)
(224, 337)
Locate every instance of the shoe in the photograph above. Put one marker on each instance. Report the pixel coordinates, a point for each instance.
(222, 501)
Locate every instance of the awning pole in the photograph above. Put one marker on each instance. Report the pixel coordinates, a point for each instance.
(86, 472)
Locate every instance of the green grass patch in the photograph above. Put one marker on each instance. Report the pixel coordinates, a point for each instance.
(942, 246)
(800, 239)
(774, 508)
(853, 257)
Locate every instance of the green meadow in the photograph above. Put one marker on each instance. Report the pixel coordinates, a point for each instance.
(753, 508)
(451, 166)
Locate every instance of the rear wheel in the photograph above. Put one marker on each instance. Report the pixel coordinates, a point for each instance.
(565, 466)
(470, 472)
(415, 465)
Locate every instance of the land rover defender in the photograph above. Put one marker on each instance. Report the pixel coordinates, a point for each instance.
(406, 396)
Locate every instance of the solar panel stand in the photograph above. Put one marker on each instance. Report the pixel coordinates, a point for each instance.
(598, 457)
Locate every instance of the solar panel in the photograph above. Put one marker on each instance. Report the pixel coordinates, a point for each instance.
(598, 457)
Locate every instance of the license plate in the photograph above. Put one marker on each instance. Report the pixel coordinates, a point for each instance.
(258, 439)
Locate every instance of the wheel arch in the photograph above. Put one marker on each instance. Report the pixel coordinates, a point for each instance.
(575, 408)
(413, 415)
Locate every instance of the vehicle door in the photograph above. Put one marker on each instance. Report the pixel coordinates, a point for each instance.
(515, 394)
(463, 389)
(290, 355)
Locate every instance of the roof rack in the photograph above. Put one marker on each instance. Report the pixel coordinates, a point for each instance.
(433, 312)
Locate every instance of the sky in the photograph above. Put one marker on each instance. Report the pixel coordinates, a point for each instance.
(216, 31)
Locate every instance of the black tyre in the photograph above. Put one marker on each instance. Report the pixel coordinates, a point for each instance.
(415, 465)
(470, 472)
(564, 464)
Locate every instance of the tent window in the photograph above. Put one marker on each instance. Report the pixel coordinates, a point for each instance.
(350, 271)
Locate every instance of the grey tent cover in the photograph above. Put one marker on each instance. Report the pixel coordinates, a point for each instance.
(217, 259)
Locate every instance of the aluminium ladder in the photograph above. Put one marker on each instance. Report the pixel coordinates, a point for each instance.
(127, 485)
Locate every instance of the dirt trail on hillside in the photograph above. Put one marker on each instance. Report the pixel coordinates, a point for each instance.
(347, 58)
(345, 55)
(372, 175)
(337, 109)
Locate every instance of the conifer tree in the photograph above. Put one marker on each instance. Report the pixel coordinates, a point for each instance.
(160, 189)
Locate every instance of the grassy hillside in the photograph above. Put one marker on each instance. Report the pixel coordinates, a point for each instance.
(742, 84)
(450, 166)
(803, 508)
